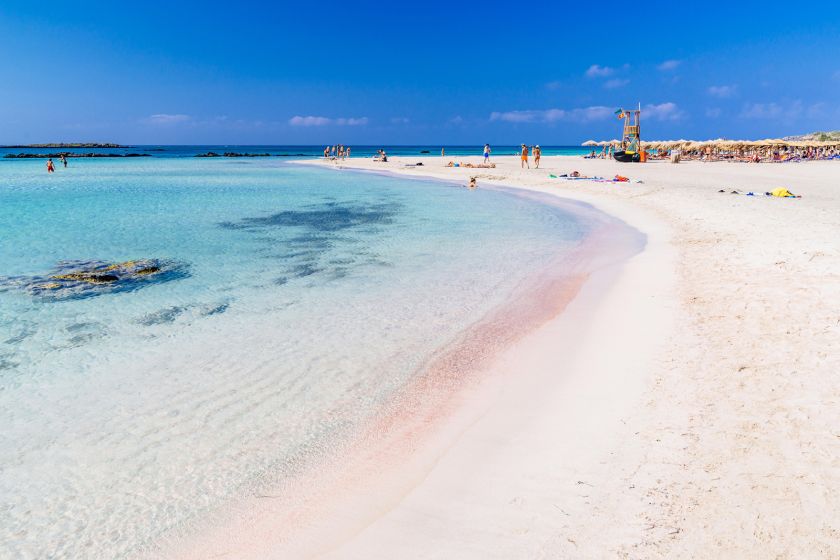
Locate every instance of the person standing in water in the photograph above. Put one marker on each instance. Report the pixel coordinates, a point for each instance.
(525, 157)
(486, 153)
(63, 160)
(50, 166)
(537, 154)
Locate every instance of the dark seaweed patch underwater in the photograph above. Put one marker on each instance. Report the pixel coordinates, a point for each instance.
(307, 237)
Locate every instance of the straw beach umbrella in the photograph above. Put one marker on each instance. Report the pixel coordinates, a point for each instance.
(590, 143)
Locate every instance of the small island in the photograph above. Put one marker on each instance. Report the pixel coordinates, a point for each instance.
(70, 145)
(72, 155)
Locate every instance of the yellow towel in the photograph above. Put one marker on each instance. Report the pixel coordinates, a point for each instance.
(781, 191)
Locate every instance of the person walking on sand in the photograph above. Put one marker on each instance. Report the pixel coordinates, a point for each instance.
(525, 157)
(537, 154)
(50, 166)
(443, 152)
(486, 153)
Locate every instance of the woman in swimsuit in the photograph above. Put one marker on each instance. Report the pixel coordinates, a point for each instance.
(524, 157)
(50, 166)
(537, 154)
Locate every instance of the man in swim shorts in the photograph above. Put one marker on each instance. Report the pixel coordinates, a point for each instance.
(486, 153)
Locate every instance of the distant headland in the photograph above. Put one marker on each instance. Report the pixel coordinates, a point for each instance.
(70, 145)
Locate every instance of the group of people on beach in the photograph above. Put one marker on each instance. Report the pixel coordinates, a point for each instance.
(51, 165)
(338, 151)
(606, 153)
(536, 151)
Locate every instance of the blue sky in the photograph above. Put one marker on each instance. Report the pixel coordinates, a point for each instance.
(423, 72)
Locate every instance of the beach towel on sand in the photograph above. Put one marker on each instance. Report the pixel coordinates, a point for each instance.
(782, 192)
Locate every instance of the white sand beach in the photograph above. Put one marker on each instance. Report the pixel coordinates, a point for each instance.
(679, 404)
(686, 405)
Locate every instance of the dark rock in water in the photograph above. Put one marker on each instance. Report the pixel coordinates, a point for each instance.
(161, 317)
(424, 151)
(148, 270)
(215, 309)
(231, 154)
(78, 279)
(89, 277)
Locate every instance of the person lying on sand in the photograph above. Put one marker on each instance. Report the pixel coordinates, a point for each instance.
(572, 175)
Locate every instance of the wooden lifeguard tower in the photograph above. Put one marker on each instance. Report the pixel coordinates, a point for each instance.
(631, 137)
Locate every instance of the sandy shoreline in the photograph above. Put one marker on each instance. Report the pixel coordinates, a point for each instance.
(369, 474)
(717, 439)
(683, 404)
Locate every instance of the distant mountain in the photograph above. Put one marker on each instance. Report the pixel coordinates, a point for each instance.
(72, 145)
(817, 136)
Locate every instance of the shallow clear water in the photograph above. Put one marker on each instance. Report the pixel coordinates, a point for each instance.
(303, 298)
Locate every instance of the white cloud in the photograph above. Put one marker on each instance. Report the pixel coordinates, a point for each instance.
(616, 83)
(309, 121)
(713, 112)
(777, 111)
(324, 121)
(596, 71)
(585, 114)
(352, 122)
(163, 118)
(669, 65)
(722, 91)
(663, 112)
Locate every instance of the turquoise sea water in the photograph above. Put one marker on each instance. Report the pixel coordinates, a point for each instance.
(290, 304)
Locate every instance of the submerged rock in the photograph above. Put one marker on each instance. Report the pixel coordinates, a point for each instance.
(76, 279)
